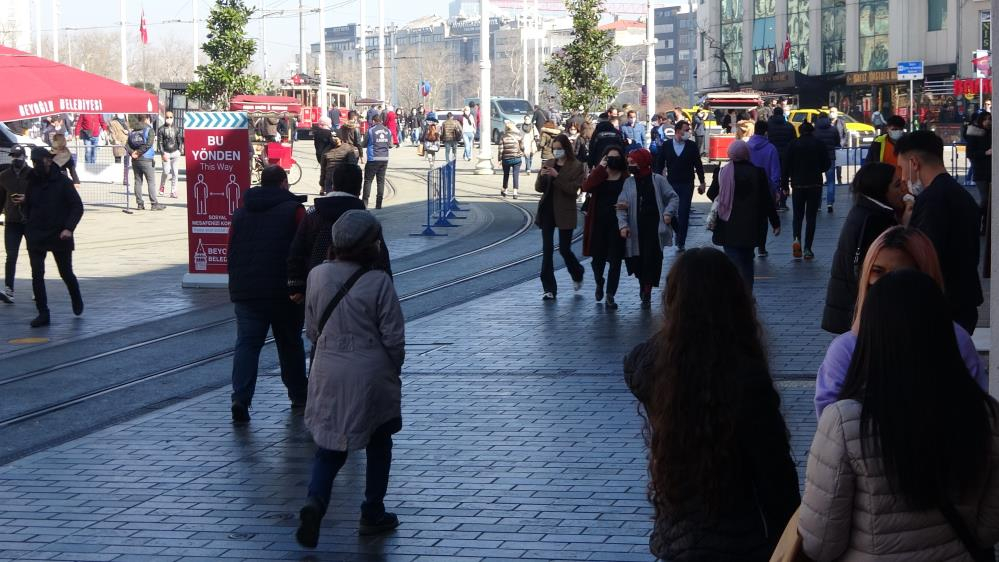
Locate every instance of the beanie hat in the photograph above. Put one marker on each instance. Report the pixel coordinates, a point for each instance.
(354, 229)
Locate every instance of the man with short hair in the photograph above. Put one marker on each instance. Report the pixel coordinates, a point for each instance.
(829, 136)
(13, 181)
(633, 132)
(781, 133)
(949, 216)
(259, 239)
(378, 142)
(88, 129)
(540, 118)
(680, 160)
(807, 159)
(140, 145)
(605, 134)
(168, 138)
(51, 208)
(322, 137)
(450, 135)
(883, 147)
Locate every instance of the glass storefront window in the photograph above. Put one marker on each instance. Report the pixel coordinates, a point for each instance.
(873, 34)
(731, 37)
(764, 43)
(799, 32)
(833, 35)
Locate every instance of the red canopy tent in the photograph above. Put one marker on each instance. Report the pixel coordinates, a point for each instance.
(39, 87)
(265, 104)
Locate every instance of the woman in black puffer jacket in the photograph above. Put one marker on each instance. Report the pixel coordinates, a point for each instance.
(978, 139)
(722, 480)
(878, 193)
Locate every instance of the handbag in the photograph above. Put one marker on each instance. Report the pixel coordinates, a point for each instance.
(978, 553)
(419, 150)
(789, 547)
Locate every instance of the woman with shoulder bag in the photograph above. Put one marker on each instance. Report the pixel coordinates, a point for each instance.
(355, 322)
(905, 466)
(558, 182)
(511, 154)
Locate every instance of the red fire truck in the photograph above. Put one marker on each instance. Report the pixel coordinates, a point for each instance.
(305, 89)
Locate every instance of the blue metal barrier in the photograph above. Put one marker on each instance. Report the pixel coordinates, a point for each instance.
(441, 202)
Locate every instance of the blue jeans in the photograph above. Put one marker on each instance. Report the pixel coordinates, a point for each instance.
(91, 156)
(450, 150)
(743, 260)
(507, 169)
(328, 463)
(285, 319)
(469, 141)
(686, 193)
(831, 185)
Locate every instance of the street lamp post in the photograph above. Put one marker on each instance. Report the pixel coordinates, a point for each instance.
(322, 55)
(485, 164)
(364, 57)
(381, 49)
(124, 60)
(650, 69)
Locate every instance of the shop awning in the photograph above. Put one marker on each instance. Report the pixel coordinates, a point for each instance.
(265, 104)
(37, 87)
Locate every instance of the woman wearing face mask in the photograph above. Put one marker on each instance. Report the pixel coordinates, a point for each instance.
(897, 248)
(530, 142)
(877, 190)
(547, 138)
(601, 238)
(63, 158)
(511, 153)
(558, 183)
(645, 211)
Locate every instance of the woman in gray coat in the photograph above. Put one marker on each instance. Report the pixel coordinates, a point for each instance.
(355, 393)
(645, 211)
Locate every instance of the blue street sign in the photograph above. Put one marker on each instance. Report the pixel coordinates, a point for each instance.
(910, 70)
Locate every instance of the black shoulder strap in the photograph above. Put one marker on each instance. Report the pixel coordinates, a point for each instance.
(977, 552)
(339, 297)
(859, 249)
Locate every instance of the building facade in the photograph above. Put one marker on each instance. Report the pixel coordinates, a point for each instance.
(675, 33)
(844, 53)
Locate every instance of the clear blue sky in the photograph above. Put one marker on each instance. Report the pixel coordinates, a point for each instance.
(282, 31)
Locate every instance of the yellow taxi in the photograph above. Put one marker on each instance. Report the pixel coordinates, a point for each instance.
(688, 114)
(861, 134)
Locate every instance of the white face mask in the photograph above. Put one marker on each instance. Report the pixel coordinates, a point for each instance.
(686, 136)
(895, 134)
(558, 153)
(915, 187)
(168, 120)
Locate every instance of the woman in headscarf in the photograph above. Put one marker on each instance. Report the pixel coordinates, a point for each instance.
(743, 202)
(645, 211)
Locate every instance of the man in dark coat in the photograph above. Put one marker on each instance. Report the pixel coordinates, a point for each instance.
(781, 133)
(825, 132)
(807, 160)
(604, 135)
(13, 181)
(322, 137)
(259, 238)
(311, 244)
(52, 208)
(540, 118)
(680, 160)
(949, 216)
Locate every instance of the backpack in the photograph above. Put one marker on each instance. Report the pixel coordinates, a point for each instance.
(432, 134)
(137, 138)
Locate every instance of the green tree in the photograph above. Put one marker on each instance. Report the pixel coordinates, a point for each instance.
(578, 71)
(230, 53)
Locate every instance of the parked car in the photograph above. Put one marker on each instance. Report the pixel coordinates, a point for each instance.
(505, 109)
(9, 138)
(861, 134)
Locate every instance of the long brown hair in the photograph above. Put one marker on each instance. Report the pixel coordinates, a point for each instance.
(566, 145)
(710, 344)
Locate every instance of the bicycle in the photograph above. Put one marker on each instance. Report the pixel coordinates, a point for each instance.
(275, 153)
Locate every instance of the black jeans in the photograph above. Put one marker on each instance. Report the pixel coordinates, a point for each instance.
(806, 200)
(13, 232)
(285, 319)
(743, 260)
(686, 193)
(374, 170)
(328, 463)
(64, 263)
(515, 169)
(548, 257)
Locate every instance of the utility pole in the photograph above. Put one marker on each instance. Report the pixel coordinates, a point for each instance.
(381, 49)
(263, 43)
(195, 35)
(38, 27)
(303, 65)
(537, 53)
(395, 76)
(322, 55)
(523, 40)
(693, 52)
(55, 30)
(362, 28)
(124, 59)
(650, 69)
(485, 164)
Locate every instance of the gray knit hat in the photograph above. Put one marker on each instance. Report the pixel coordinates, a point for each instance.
(355, 228)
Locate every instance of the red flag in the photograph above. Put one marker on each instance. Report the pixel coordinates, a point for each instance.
(786, 53)
(143, 30)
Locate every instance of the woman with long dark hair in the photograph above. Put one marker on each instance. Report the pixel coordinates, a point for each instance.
(878, 194)
(558, 183)
(905, 466)
(601, 238)
(721, 477)
(897, 248)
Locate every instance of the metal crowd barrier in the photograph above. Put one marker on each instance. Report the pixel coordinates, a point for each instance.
(104, 179)
(849, 160)
(441, 201)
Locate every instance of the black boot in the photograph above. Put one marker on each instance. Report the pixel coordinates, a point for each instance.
(41, 320)
(310, 517)
(378, 203)
(599, 293)
(77, 299)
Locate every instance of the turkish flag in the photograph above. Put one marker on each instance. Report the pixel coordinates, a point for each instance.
(143, 30)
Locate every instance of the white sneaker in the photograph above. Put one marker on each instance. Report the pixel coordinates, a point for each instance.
(7, 295)
(548, 297)
(577, 285)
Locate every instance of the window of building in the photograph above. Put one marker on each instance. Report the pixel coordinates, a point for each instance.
(936, 14)
(873, 34)
(684, 55)
(669, 43)
(798, 31)
(764, 34)
(702, 49)
(668, 75)
(669, 59)
(669, 28)
(731, 38)
(833, 35)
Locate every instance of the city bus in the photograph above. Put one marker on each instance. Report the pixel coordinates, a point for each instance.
(305, 89)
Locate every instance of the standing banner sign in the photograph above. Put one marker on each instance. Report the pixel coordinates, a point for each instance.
(218, 157)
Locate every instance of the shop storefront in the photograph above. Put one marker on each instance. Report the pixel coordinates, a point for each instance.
(806, 91)
(862, 93)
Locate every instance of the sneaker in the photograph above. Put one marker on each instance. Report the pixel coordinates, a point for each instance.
(577, 285)
(298, 407)
(240, 413)
(158, 207)
(309, 519)
(162, 191)
(7, 295)
(140, 207)
(796, 249)
(503, 193)
(681, 249)
(829, 208)
(386, 522)
(173, 195)
(610, 303)
(514, 193)
(41, 320)
(808, 254)
(549, 296)
(646, 300)
(763, 253)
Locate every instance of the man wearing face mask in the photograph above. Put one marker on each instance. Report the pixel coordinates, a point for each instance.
(949, 216)
(680, 160)
(52, 208)
(168, 140)
(633, 132)
(605, 134)
(13, 182)
(883, 147)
